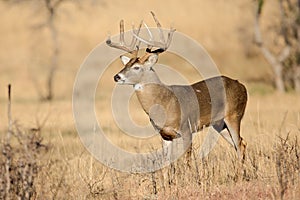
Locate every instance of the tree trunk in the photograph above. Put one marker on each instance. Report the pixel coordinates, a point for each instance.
(275, 62)
(297, 66)
(277, 68)
(296, 78)
(279, 78)
(54, 59)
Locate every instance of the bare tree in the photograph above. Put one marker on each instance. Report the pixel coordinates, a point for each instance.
(51, 7)
(285, 64)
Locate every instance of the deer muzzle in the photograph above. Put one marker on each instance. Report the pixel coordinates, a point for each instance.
(117, 78)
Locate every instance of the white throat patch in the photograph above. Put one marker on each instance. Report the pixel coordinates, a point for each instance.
(138, 86)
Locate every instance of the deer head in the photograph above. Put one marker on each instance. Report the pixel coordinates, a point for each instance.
(138, 69)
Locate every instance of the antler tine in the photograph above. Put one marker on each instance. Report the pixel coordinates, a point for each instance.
(134, 40)
(122, 32)
(149, 32)
(170, 36)
(163, 45)
(122, 44)
(150, 35)
(158, 26)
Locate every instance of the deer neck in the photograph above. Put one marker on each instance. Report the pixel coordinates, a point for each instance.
(150, 77)
(149, 91)
(160, 103)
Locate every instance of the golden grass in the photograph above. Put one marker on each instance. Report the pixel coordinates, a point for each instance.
(69, 171)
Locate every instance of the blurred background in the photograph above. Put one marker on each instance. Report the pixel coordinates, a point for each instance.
(43, 42)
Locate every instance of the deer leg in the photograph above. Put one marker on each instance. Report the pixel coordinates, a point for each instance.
(233, 127)
(221, 128)
(189, 156)
(167, 151)
(187, 145)
(209, 142)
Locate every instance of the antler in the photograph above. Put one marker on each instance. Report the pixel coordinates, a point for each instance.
(132, 48)
(163, 44)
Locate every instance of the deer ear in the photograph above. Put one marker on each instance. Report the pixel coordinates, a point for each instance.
(124, 59)
(153, 59)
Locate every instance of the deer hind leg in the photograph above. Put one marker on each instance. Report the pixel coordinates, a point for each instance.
(221, 128)
(233, 128)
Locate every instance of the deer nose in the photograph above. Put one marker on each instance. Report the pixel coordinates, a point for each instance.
(117, 78)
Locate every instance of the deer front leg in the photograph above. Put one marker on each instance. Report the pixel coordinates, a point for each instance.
(167, 151)
(187, 147)
(168, 134)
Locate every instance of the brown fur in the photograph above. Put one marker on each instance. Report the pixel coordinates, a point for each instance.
(234, 108)
(219, 102)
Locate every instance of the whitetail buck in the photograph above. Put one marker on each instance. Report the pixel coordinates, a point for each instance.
(218, 102)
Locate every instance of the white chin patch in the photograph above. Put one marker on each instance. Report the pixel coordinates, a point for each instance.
(121, 82)
(138, 87)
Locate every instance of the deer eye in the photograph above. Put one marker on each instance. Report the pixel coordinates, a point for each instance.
(136, 68)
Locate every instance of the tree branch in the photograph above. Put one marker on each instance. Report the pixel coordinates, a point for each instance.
(284, 54)
(269, 56)
(257, 32)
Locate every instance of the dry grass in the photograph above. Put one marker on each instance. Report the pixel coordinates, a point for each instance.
(271, 170)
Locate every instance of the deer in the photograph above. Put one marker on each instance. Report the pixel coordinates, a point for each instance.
(186, 109)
